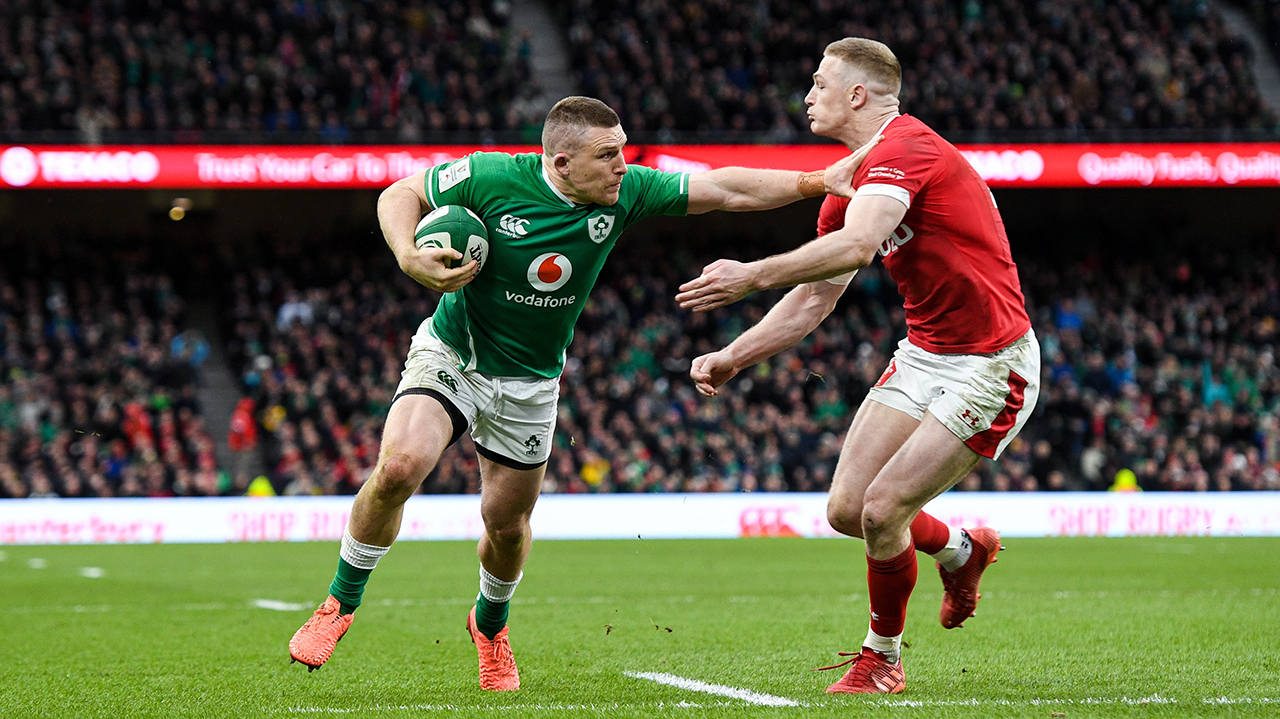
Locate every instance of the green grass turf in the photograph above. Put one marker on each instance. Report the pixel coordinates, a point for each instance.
(1081, 627)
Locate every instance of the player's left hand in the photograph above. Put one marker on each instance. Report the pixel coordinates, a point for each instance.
(722, 282)
(712, 370)
(838, 179)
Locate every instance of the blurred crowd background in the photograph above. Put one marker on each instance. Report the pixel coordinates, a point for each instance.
(1159, 370)
(378, 70)
(1073, 65)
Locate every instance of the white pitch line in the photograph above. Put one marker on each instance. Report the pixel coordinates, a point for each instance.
(694, 685)
(384, 708)
(278, 606)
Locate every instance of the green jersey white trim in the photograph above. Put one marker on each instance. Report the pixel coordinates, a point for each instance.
(515, 319)
(547, 179)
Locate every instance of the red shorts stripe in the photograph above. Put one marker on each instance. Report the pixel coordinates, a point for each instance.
(888, 372)
(986, 442)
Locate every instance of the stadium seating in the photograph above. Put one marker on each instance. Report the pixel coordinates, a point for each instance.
(1069, 67)
(322, 361)
(97, 387)
(1127, 384)
(349, 71)
(333, 70)
(1166, 369)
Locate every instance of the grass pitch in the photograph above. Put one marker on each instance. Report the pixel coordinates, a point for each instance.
(1072, 627)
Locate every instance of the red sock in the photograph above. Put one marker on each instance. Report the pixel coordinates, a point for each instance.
(890, 582)
(929, 534)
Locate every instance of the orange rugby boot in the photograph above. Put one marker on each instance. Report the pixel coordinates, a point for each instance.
(497, 664)
(960, 588)
(869, 674)
(313, 644)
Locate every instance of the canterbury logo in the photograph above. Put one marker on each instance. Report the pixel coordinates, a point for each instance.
(513, 226)
(448, 381)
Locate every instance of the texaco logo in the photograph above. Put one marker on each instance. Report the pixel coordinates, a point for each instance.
(18, 166)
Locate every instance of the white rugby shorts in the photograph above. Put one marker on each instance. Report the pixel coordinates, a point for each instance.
(511, 419)
(984, 399)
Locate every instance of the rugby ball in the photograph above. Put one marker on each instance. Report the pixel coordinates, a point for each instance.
(457, 227)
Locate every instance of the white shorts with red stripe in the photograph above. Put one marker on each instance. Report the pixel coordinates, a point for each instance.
(983, 399)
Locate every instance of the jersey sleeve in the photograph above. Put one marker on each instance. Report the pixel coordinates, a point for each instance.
(831, 216)
(898, 167)
(468, 181)
(658, 192)
(830, 219)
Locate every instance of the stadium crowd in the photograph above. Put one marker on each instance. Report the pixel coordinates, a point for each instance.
(1165, 371)
(97, 387)
(1074, 66)
(331, 68)
(340, 70)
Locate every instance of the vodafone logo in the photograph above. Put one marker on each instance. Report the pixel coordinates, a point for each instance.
(18, 166)
(549, 271)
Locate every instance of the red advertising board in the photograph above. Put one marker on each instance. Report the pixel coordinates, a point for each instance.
(374, 167)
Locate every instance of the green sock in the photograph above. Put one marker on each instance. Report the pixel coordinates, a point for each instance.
(491, 617)
(348, 586)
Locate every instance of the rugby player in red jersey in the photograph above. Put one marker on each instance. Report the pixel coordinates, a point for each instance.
(959, 387)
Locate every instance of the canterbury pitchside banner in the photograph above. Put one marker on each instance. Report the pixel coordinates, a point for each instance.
(374, 167)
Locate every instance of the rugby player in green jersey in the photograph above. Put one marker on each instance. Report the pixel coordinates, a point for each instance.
(489, 360)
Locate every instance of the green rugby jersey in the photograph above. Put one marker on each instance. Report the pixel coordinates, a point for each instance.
(515, 319)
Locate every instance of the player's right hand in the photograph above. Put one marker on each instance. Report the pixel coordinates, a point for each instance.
(838, 178)
(712, 370)
(426, 266)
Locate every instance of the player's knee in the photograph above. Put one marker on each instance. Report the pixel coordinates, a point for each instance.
(880, 514)
(844, 517)
(399, 475)
(509, 533)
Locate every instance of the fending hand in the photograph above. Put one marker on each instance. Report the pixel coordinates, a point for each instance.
(838, 178)
(712, 370)
(721, 283)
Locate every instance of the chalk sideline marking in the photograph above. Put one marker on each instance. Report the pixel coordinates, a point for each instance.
(694, 685)
(530, 707)
(278, 606)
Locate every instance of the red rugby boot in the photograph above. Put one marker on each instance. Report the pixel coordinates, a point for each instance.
(960, 588)
(313, 644)
(869, 674)
(498, 671)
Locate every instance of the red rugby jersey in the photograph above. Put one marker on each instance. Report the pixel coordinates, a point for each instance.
(950, 256)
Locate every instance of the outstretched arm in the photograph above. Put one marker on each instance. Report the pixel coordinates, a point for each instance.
(791, 320)
(744, 189)
(400, 206)
(868, 222)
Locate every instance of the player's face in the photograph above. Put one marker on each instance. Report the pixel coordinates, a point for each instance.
(829, 99)
(597, 166)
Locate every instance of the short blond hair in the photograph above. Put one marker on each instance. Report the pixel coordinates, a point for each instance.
(873, 58)
(562, 132)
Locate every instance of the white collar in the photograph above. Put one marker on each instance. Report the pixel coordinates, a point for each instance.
(886, 124)
(547, 179)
